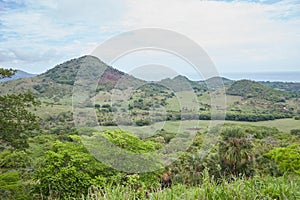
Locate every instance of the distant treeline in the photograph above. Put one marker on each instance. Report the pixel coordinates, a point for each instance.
(250, 117)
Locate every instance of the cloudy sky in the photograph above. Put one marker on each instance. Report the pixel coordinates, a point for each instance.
(252, 36)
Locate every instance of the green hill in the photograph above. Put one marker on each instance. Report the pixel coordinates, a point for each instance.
(284, 86)
(252, 89)
(120, 93)
(182, 83)
(58, 82)
(215, 82)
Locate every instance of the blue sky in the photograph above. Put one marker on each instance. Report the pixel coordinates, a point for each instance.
(251, 36)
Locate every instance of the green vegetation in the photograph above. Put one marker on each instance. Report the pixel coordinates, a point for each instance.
(250, 89)
(254, 155)
(132, 100)
(15, 119)
(287, 158)
(6, 73)
(292, 88)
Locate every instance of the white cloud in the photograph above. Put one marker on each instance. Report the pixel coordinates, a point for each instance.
(235, 34)
(35, 35)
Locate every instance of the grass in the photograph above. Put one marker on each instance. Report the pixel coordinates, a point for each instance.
(45, 111)
(284, 125)
(169, 126)
(267, 188)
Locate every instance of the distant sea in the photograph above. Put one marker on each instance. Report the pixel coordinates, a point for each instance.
(265, 76)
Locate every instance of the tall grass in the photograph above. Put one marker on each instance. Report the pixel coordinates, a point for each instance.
(286, 187)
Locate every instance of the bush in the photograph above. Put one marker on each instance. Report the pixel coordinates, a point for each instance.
(11, 187)
(142, 122)
(14, 160)
(295, 132)
(287, 158)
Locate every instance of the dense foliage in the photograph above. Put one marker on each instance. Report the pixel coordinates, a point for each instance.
(287, 158)
(15, 119)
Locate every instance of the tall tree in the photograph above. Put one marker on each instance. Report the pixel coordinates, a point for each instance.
(15, 119)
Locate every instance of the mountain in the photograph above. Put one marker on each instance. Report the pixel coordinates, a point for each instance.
(252, 89)
(283, 86)
(18, 75)
(58, 82)
(225, 81)
(118, 94)
(182, 83)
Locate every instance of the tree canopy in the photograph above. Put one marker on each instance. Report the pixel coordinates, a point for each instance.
(15, 118)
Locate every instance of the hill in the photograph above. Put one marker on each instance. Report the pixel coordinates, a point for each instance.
(57, 83)
(215, 79)
(18, 75)
(252, 89)
(120, 95)
(290, 87)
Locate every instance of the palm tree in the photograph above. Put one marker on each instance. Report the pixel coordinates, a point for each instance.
(235, 150)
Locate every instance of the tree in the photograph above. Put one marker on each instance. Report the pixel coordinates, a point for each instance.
(15, 119)
(67, 170)
(235, 151)
(6, 73)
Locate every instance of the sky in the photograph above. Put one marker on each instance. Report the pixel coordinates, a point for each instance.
(239, 36)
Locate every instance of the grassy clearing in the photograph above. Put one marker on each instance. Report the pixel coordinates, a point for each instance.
(169, 126)
(257, 188)
(284, 125)
(45, 111)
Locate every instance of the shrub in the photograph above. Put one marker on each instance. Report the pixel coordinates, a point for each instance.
(142, 122)
(295, 132)
(287, 158)
(11, 187)
(14, 160)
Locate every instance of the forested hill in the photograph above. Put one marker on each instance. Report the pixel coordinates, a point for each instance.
(252, 89)
(292, 87)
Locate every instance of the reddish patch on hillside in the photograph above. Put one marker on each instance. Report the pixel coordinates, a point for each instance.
(111, 78)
